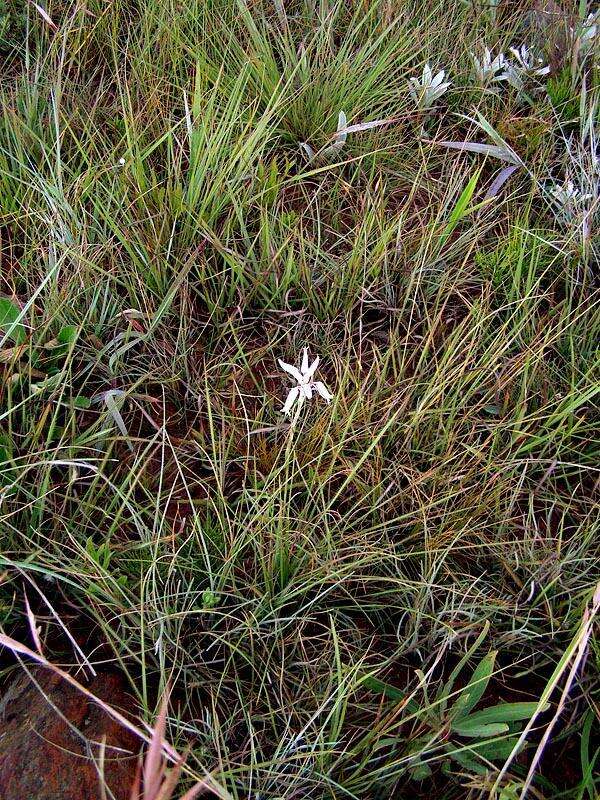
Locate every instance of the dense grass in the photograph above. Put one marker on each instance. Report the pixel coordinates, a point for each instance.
(317, 592)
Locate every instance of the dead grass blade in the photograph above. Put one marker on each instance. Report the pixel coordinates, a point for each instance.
(44, 15)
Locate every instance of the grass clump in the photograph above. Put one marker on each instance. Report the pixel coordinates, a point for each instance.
(390, 595)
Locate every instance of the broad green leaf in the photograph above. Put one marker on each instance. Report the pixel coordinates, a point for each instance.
(467, 761)
(473, 691)
(65, 336)
(511, 792)
(391, 692)
(479, 731)
(90, 547)
(375, 685)
(10, 326)
(420, 772)
(81, 402)
(492, 410)
(498, 750)
(68, 334)
(462, 663)
(503, 712)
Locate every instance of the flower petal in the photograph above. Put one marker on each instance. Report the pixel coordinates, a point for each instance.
(323, 391)
(290, 400)
(307, 391)
(304, 366)
(291, 370)
(307, 376)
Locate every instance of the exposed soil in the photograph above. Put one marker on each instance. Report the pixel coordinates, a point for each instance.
(51, 739)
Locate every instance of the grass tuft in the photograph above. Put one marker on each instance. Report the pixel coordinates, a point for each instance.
(390, 595)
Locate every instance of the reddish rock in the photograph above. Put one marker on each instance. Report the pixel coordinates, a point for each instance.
(43, 758)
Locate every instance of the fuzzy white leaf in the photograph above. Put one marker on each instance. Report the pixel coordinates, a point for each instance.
(503, 153)
(308, 150)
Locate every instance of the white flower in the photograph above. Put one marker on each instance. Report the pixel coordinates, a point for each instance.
(426, 91)
(527, 62)
(304, 378)
(121, 162)
(568, 201)
(486, 68)
(568, 194)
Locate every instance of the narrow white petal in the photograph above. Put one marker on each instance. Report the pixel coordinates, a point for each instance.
(304, 361)
(323, 391)
(307, 375)
(307, 391)
(291, 370)
(290, 400)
